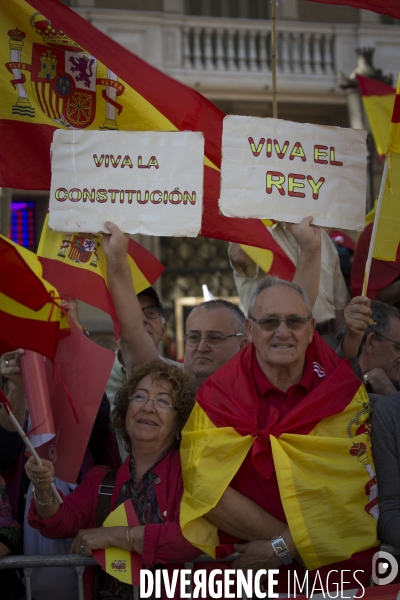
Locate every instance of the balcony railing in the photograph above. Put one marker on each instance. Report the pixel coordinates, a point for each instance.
(248, 48)
(227, 56)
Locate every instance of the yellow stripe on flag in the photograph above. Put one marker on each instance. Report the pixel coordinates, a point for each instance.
(118, 561)
(388, 228)
(262, 258)
(50, 312)
(313, 477)
(379, 110)
(221, 451)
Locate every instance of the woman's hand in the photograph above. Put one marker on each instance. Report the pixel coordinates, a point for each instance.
(127, 538)
(92, 539)
(40, 475)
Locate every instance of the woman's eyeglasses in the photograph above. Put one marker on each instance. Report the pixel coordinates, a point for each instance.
(160, 404)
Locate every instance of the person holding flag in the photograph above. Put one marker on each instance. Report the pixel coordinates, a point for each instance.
(150, 411)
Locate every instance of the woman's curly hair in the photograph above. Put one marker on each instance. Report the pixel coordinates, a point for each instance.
(182, 386)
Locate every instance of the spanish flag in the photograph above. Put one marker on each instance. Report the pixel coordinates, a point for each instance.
(387, 243)
(383, 7)
(30, 314)
(377, 98)
(121, 564)
(76, 264)
(311, 467)
(58, 71)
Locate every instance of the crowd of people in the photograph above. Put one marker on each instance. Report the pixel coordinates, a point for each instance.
(258, 443)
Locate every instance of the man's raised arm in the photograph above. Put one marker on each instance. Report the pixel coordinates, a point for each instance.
(136, 344)
(308, 268)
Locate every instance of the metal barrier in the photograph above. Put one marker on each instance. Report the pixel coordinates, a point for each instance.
(27, 563)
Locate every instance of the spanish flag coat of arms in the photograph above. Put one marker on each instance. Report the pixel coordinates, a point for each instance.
(312, 468)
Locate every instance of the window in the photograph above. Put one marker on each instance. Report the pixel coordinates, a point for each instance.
(22, 223)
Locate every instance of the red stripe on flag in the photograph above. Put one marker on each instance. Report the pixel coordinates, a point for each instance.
(79, 283)
(39, 336)
(26, 163)
(372, 87)
(145, 261)
(18, 281)
(383, 7)
(396, 110)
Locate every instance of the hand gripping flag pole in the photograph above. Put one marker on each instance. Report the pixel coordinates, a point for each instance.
(7, 407)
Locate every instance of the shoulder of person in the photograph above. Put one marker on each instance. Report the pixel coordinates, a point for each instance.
(388, 407)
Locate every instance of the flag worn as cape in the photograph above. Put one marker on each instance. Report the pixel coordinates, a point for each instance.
(30, 314)
(378, 99)
(58, 71)
(320, 452)
(383, 7)
(76, 264)
(387, 243)
(121, 564)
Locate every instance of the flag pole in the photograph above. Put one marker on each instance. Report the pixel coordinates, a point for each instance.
(27, 443)
(273, 59)
(375, 227)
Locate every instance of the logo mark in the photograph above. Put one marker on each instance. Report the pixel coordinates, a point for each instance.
(384, 568)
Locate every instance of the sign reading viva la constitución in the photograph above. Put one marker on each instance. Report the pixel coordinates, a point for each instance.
(146, 182)
(275, 169)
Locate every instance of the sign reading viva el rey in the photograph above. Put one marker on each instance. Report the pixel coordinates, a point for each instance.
(275, 169)
(146, 182)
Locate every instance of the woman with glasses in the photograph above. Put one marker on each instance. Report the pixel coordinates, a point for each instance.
(150, 412)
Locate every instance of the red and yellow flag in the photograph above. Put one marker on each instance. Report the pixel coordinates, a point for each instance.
(378, 101)
(313, 462)
(387, 243)
(383, 7)
(76, 264)
(121, 564)
(272, 259)
(58, 71)
(30, 314)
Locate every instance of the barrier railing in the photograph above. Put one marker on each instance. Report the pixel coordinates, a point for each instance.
(28, 563)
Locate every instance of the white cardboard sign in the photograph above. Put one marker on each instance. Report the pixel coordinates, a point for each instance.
(275, 169)
(148, 182)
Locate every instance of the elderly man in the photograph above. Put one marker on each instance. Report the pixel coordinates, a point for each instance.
(371, 339)
(276, 451)
(214, 330)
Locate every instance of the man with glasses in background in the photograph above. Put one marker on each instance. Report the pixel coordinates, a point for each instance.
(371, 340)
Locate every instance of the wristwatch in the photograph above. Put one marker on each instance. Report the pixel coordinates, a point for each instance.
(281, 550)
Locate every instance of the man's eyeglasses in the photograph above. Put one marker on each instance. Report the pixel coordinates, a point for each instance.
(397, 344)
(160, 404)
(213, 340)
(272, 323)
(152, 312)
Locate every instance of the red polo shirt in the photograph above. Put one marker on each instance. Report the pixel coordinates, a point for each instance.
(274, 403)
